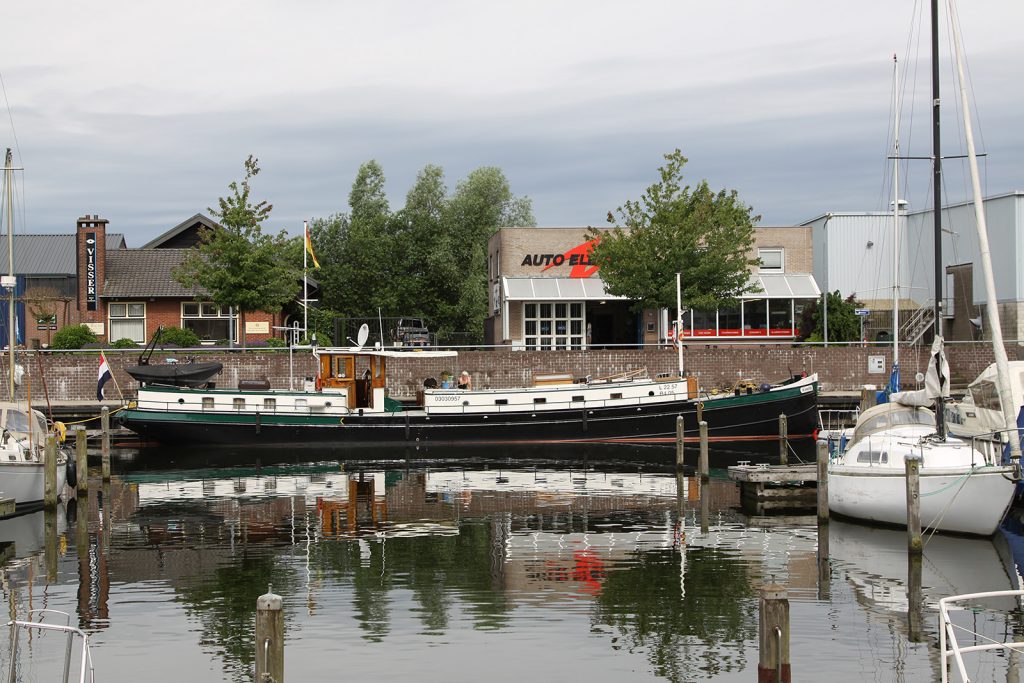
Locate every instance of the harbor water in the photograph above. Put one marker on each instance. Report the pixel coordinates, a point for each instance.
(430, 568)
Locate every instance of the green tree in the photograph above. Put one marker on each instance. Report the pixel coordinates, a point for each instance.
(73, 337)
(236, 263)
(481, 204)
(843, 321)
(706, 236)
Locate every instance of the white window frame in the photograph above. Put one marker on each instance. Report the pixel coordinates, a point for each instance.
(126, 317)
(781, 268)
(553, 339)
(204, 316)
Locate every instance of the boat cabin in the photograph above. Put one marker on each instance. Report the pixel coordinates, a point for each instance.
(360, 375)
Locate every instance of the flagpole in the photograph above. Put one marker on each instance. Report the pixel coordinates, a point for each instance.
(113, 377)
(305, 286)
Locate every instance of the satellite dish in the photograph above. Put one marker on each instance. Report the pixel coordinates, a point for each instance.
(364, 333)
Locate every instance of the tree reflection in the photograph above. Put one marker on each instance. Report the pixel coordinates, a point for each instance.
(699, 634)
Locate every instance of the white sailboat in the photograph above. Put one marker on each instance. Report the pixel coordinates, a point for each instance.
(963, 489)
(22, 430)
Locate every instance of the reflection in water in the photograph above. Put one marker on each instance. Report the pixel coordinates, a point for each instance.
(597, 570)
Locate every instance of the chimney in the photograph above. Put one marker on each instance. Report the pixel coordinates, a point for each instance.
(91, 241)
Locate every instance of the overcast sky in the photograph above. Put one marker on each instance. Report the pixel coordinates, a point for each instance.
(143, 112)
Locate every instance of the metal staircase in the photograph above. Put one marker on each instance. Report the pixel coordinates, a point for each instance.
(919, 322)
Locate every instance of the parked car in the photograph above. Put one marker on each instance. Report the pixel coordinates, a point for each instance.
(411, 332)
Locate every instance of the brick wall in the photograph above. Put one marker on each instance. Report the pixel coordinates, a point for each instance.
(73, 376)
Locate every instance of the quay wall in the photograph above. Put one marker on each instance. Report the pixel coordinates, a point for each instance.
(72, 376)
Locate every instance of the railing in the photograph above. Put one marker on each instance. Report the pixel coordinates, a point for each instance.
(86, 674)
(949, 645)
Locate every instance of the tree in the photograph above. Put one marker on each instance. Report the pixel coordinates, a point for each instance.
(843, 321)
(706, 236)
(236, 263)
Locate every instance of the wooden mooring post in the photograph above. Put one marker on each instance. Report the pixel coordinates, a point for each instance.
(703, 463)
(823, 458)
(773, 647)
(680, 443)
(269, 638)
(50, 474)
(105, 427)
(82, 461)
(913, 470)
(783, 439)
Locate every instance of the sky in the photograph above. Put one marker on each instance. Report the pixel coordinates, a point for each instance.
(143, 113)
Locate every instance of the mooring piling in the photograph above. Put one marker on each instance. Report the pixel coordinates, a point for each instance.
(269, 638)
(913, 470)
(105, 427)
(50, 474)
(82, 461)
(703, 463)
(773, 663)
(680, 443)
(783, 439)
(823, 459)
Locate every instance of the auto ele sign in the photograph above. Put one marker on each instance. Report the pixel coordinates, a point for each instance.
(578, 258)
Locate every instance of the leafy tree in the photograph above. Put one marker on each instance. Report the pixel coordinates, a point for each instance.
(706, 236)
(236, 263)
(73, 337)
(843, 321)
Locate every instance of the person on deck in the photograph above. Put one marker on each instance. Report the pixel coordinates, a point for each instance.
(465, 381)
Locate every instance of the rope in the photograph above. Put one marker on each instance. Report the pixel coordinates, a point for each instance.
(90, 419)
(962, 481)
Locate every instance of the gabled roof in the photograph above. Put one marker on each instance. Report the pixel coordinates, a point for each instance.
(184, 234)
(48, 254)
(145, 273)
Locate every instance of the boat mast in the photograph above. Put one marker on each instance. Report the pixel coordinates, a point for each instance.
(679, 320)
(896, 225)
(8, 182)
(940, 418)
(991, 309)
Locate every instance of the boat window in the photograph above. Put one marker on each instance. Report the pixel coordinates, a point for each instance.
(239, 403)
(501, 401)
(207, 402)
(300, 404)
(540, 400)
(17, 421)
(579, 398)
(615, 396)
(985, 395)
(873, 457)
(270, 404)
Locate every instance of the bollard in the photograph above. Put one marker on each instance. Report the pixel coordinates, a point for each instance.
(50, 474)
(783, 439)
(773, 647)
(823, 483)
(105, 427)
(680, 441)
(703, 464)
(82, 461)
(269, 638)
(913, 469)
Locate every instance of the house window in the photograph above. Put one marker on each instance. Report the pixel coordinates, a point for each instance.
(127, 321)
(557, 325)
(209, 321)
(772, 260)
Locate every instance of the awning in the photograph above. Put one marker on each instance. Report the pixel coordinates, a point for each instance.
(781, 286)
(555, 289)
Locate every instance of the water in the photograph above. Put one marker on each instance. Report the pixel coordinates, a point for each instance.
(501, 570)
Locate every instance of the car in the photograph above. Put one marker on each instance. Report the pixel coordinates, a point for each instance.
(411, 332)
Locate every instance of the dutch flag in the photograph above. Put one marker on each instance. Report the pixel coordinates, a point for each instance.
(103, 376)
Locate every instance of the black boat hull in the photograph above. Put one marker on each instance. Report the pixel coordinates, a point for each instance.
(732, 419)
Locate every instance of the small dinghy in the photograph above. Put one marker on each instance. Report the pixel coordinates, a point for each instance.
(188, 374)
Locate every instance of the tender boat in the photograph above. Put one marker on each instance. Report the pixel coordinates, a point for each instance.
(22, 455)
(349, 404)
(175, 374)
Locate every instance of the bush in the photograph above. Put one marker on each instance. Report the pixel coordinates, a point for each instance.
(182, 338)
(124, 343)
(72, 337)
(276, 342)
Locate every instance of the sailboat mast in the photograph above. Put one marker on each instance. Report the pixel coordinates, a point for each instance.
(896, 221)
(940, 417)
(8, 183)
(991, 310)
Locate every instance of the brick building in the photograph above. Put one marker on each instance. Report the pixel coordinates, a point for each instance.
(544, 293)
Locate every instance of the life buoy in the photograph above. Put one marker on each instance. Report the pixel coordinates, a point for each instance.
(319, 383)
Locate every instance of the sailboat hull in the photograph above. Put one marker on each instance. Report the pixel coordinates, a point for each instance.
(24, 481)
(954, 500)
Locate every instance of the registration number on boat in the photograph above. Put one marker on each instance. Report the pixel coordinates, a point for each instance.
(451, 398)
(666, 389)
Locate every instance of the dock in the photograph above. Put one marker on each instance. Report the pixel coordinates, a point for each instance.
(764, 488)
